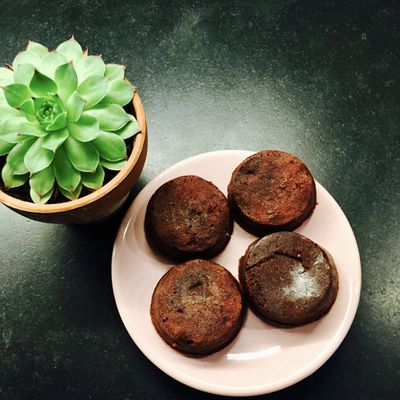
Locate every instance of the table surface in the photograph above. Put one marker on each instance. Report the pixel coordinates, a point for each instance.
(319, 79)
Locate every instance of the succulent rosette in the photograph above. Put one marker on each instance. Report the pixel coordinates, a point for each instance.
(62, 120)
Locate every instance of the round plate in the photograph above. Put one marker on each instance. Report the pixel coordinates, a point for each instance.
(262, 358)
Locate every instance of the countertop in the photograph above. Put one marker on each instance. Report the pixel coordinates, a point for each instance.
(319, 79)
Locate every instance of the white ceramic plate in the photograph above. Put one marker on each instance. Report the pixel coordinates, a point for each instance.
(262, 358)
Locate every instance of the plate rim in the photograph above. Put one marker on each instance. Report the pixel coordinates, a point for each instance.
(250, 390)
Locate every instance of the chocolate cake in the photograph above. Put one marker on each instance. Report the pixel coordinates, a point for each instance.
(288, 279)
(188, 217)
(197, 307)
(271, 191)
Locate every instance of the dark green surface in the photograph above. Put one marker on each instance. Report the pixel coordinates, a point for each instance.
(316, 78)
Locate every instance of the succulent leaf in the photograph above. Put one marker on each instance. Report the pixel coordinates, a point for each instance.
(54, 140)
(3, 101)
(6, 76)
(10, 124)
(37, 157)
(41, 85)
(58, 107)
(26, 57)
(72, 195)
(114, 71)
(74, 107)
(36, 198)
(9, 129)
(130, 129)
(84, 130)
(8, 112)
(110, 146)
(83, 156)
(88, 66)
(119, 92)
(67, 177)
(27, 128)
(43, 181)
(24, 73)
(111, 117)
(113, 166)
(59, 122)
(12, 181)
(92, 90)
(39, 49)
(5, 147)
(66, 79)
(16, 94)
(28, 109)
(10, 137)
(22, 138)
(70, 49)
(50, 62)
(15, 158)
(93, 180)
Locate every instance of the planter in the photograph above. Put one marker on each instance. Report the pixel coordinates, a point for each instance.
(102, 203)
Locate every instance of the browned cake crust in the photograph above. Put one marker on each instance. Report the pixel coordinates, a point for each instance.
(188, 217)
(288, 279)
(197, 307)
(271, 191)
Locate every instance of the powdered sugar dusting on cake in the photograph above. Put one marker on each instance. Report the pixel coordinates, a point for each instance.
(304, 284)
(319, 260)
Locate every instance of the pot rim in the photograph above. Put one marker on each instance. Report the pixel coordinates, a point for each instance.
(139, 143)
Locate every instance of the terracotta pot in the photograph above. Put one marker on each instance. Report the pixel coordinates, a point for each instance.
(102, 203)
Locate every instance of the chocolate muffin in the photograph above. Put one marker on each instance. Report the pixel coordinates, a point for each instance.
(271, 191)
(188, 217)
(288, 279)
(197, 307)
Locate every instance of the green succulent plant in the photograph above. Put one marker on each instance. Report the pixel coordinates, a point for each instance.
(62, 120)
